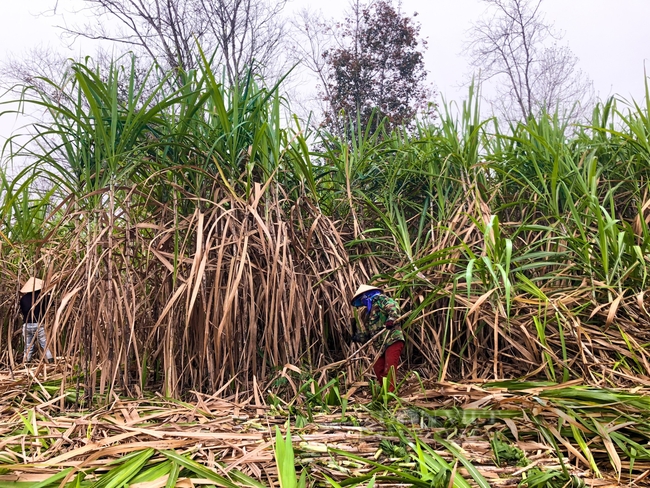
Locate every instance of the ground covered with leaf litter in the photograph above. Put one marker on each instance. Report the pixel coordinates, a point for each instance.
(434, 435)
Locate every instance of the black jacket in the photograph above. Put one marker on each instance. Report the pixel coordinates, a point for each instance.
(33, 313)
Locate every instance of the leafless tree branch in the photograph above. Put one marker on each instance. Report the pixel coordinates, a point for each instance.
(515, 47)
(241, 33)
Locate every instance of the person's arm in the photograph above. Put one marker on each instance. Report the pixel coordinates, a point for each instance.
(358, 335)
(43, 303)
(25, 306)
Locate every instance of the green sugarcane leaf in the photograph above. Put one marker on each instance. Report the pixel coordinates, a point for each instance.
(198, 469)
(52, 479)
(173, 475)
(474, 473)
(123, 473)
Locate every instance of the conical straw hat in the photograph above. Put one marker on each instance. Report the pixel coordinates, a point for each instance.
(31, 285)
(363, 289)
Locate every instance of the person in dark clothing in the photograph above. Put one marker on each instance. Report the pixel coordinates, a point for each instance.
(33, 306)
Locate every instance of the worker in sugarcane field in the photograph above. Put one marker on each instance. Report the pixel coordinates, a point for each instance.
(380, 315)
(33, 304)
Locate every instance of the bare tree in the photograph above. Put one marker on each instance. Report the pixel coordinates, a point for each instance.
(312, 35)
(242, 33)
(37, 67)
(520, 51)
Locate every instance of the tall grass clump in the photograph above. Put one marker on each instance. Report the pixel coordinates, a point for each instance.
(198, 237)
(186, 242)
(515, 252)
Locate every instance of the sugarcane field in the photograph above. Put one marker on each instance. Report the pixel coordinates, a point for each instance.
(204, 287)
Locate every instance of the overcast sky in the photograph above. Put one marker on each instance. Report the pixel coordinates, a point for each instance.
(611, 38)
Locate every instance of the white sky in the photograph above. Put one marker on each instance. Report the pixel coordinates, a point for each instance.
(611, 38)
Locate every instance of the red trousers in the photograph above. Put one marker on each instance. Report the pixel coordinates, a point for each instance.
(388, 360)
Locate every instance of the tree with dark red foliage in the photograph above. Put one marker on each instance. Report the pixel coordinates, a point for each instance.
(378, 70)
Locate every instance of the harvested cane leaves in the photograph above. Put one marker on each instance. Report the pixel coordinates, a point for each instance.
(433, 438)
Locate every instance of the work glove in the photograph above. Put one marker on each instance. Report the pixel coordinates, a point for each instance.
(359, 337)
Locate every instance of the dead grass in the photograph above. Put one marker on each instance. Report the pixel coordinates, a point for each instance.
(43, 434)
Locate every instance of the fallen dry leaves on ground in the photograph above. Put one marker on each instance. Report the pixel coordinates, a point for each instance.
(42, 433)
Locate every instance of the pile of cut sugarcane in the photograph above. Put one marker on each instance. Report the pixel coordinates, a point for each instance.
(440, 435)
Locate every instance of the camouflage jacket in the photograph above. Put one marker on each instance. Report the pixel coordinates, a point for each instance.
(383, 309)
